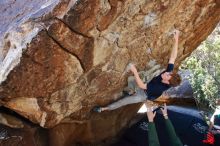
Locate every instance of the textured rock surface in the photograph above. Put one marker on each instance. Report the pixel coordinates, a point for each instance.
(18, 131)
(20, 21)
(10, 121)
(78, 61)
(27, 136)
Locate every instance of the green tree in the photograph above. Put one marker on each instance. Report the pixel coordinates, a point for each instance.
(204, 65)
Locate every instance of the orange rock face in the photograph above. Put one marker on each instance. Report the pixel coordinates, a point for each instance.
(78, 60)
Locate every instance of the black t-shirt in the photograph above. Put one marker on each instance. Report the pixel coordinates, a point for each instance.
(155, 87)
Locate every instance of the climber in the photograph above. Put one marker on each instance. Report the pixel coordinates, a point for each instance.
(154, 88)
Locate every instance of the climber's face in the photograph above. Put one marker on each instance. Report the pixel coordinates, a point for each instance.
(166, 76)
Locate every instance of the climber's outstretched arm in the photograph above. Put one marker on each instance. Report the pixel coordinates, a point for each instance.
(173, 54)
(138, 80)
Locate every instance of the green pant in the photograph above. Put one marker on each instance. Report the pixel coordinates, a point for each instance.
(153, 138)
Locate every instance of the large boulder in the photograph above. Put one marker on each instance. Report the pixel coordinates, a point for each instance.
(78, 54)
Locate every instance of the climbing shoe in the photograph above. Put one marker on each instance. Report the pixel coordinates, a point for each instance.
(97, 109)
